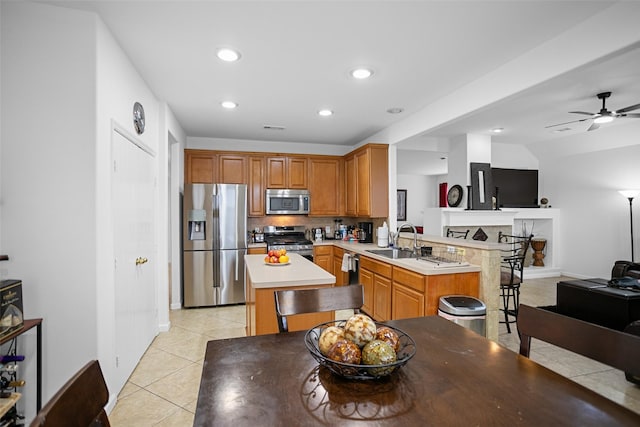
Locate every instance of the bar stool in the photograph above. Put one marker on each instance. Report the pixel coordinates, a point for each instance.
(511, 274)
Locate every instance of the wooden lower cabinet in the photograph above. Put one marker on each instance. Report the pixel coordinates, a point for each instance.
(406, 302)
(342, 277)
(392, 292)
(375, 276)
(254, 251)
(323, 256)
(381, 298)
(366, 280)
(407, 294)
(449, 284)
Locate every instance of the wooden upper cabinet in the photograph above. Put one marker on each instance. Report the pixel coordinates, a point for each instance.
(200, 166)
(325, 186)
(298, 172)
(232, 169)
(351, 178)
(255, 190)
(366, 182)
(363, 185)
(276, 172)
(287, 172)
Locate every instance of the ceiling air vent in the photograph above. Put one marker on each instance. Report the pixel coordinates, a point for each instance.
(272, 127)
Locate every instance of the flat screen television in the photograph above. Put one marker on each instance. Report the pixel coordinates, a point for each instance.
(517, 188)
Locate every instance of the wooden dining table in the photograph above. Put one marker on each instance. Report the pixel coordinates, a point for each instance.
(456, 378)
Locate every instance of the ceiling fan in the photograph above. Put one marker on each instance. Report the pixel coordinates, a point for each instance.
(604, 115)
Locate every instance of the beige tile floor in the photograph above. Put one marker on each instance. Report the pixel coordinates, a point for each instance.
(163, 389)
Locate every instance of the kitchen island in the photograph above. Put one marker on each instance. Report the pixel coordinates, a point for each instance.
(263, 280)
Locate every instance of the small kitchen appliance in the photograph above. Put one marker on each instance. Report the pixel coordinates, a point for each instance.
(365, 235)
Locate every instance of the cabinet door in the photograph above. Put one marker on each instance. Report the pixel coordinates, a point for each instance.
(449, 284)
(363, 200)
(351, 179)
(232, 169)
(297, 173)
(382, 298)
(324, 186)
(406, 302)
(366, 280)
(276, 172)
(257, 251)
(255, 191)
(199, 166)
(323, 256)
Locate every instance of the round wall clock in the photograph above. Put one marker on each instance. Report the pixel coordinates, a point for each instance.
(138, 118)
(454, 196)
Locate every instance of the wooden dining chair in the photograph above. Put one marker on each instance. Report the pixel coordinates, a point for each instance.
(609, 346)
(79, 403)
(512, 274)
(300, 301)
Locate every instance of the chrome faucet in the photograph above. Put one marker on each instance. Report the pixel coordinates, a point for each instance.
(415, 237)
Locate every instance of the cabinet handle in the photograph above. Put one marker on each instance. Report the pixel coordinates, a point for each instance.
(141, 260)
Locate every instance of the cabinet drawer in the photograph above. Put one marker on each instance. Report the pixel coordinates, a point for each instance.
(377, 267)
(323, 250)
(408, 278)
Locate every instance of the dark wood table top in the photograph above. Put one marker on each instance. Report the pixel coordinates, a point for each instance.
(455, 378)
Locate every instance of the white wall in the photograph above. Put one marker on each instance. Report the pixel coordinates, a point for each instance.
(422, 192)
(595, 217)
(65, 84)
(48, 184)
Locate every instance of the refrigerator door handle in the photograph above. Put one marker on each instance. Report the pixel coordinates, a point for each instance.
(237, 260)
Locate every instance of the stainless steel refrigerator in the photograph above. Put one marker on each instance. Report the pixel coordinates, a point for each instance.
(214, 244)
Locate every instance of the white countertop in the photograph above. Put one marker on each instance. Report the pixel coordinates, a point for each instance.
(419, 266)
(299, 272)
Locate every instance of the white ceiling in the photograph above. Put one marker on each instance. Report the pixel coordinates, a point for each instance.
(296, 58)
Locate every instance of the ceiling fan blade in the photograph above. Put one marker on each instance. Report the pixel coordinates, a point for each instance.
(629, 108)
(593, 126)
(566, 123)
(632, 115)
(582, 112)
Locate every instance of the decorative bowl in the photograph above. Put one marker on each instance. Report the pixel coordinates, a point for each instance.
(359, 372)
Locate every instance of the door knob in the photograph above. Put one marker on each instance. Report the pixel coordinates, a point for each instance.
(141, 260)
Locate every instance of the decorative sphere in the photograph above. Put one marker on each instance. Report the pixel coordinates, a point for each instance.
(360, 329)
(386, 334)
(328, 338)
(378, 352)
(345, 351)
(544, 200)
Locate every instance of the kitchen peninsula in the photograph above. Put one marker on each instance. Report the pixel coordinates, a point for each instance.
(263, 280)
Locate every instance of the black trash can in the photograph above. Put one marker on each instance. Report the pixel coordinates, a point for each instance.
(464, 310)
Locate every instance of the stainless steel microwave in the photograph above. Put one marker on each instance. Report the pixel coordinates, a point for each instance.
(287, 202)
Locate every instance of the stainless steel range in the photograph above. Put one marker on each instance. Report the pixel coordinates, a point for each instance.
(291, 238)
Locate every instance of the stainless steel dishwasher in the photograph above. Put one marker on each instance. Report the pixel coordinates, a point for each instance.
(354, 272)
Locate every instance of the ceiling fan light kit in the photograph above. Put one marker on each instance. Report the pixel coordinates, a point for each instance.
(604, 115)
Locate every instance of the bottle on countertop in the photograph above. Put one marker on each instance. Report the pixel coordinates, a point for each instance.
(383, 235)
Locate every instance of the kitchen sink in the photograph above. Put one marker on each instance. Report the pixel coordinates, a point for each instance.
(393, 253)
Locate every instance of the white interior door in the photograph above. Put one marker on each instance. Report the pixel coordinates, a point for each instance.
(133, 186)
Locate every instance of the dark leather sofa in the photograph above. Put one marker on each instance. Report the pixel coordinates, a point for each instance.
(596, 301)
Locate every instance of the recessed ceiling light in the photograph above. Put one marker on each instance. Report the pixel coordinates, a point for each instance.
(325, 113)
(228, 55)
(361, 73)
(229, 104)
(497, 130)
(395, 110)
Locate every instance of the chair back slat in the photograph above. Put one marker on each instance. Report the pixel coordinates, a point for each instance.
(609, 346)
(300, 301)
(79, 403)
